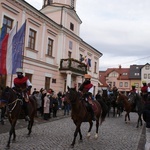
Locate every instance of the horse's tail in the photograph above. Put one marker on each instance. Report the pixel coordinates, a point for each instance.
(34, 105)
(104, 110)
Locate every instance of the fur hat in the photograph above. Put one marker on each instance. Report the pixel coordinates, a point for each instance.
(19, 70)
(87, 76)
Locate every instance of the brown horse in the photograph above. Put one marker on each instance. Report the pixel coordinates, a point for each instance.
(132, 103)
(80, 113)
(14, 104)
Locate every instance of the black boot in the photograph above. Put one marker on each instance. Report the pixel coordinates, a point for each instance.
(27, 118)
(91, 111)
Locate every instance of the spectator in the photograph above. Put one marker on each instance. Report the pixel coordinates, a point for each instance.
(66, 105)
(51, 93)
(59, 99)
(37, 96)
(34, 92)
(55, 105)
(46, 105)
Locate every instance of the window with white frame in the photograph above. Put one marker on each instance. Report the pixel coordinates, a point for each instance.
(126, 84)
(147, 67)
(120, 84)
(136, 74)
(70, 45)
(145, 76)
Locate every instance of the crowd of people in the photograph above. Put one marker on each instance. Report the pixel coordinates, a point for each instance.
(48, 103)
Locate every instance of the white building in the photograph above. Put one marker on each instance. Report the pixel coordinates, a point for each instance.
(53, 47)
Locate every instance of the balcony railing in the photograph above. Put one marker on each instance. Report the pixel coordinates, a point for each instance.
(73, 65)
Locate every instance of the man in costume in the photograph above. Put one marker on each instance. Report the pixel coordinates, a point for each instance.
(87, 89)
(144, 90)
(22, 86)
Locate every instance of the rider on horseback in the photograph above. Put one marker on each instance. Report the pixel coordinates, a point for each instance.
(87, 89)
(133, 91)
(22, 86)
(144, 90)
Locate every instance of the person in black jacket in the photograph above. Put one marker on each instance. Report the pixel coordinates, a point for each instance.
(146, 114)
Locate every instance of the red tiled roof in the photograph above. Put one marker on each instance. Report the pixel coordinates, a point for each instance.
(121, 71)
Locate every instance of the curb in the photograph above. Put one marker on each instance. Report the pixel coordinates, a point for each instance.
(147, 144)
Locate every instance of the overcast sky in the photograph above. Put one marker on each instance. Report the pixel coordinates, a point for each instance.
(119, 29)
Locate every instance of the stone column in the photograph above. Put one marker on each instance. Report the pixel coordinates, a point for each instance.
(68, 82)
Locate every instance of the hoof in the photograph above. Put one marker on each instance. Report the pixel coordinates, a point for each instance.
(88, 135)
(80, 141)
(96, 136)
(72, 146)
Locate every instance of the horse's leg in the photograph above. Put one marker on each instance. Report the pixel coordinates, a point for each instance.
(30, 124)
(12, 131)
(3, 109)
(139, 120)
(97, 126)
(80, 135)
(91, 125)
(126, 117)
(76, 133)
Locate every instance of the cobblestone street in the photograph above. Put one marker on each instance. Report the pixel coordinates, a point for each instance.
(57, 134)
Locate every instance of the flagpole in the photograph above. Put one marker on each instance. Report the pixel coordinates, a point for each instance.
(24, 45)
(11, 79)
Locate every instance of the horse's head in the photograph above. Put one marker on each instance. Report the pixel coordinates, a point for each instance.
(120, 97)
(71, 95)
(7, 95)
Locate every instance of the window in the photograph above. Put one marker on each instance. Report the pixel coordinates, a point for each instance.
(113, 74)
(137, 67)
(69, 54)
(48, 2)
(81, 58)
(125, 74)
(50, 47)
(70, 45)
(114, 84)
(88, 64)
(126, 84)
(136, 74)
(136, 85)
(95, 66)
(121, 84)
(72, 3)
(148, 76)
(145, 76)
(47, 82)
(147, 67)
(72, 26)
(8, 22)
(32, 36)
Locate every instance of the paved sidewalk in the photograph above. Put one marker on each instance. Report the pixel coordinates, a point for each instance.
(21, 123)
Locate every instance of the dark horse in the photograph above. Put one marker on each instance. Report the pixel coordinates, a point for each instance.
(132, 103)
(110, 101)
(14, 104)
(80, 113)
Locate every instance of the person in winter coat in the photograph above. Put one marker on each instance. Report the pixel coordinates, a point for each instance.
(55, 105)
(46, 105)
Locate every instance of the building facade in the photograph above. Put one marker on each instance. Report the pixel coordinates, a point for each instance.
(124, 78)
(53, 50)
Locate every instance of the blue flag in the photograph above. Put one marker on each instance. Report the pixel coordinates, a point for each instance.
(3, 32)
(17, 48)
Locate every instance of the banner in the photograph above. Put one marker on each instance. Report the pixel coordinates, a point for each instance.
(12, 50)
